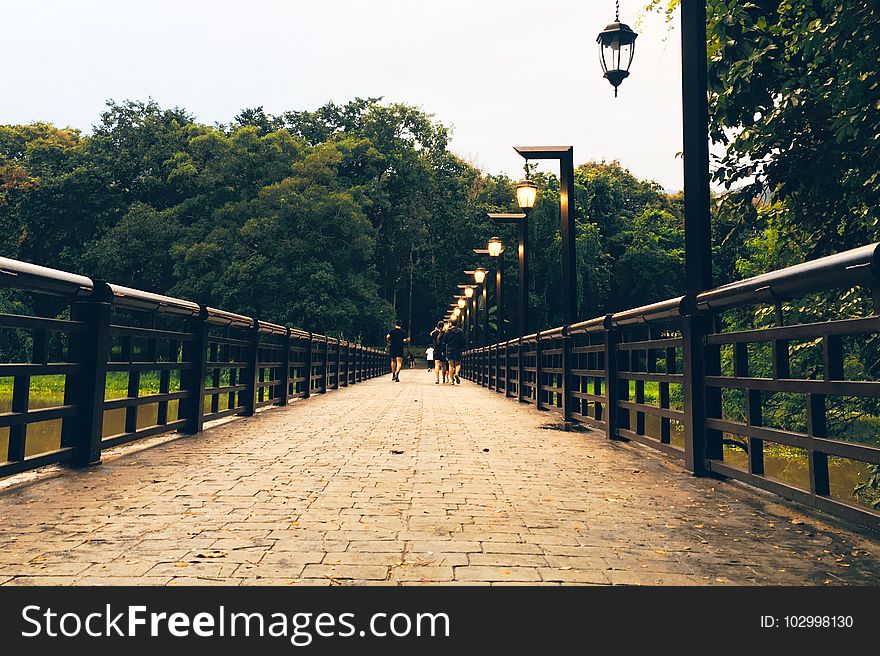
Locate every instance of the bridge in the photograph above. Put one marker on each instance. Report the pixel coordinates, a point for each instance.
(192, 445)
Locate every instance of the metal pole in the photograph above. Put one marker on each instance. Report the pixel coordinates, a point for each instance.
(697, 227)
(695, 122)
(485, 329)
(523, 255)
(567, 219)
(569, 233)
(499, 323)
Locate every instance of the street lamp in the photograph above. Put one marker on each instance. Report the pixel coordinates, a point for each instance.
(480, 279)
(495, 248)
(526, 195)
(565, 155)
(617, 45)
(521, 220)
(471, 314)
(461, 303)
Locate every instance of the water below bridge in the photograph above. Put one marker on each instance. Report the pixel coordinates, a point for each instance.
(406, 483)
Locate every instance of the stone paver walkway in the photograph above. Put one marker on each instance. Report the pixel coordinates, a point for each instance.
(411, 482)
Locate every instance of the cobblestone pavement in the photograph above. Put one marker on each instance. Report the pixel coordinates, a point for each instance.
(407, 483)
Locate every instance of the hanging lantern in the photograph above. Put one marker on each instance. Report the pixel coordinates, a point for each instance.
(526, 195)
(617, 45)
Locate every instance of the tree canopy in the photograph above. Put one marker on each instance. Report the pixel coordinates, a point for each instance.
(336, 220)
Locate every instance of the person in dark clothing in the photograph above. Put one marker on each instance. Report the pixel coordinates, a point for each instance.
(395, 340)
(454, 338)
(439, 356)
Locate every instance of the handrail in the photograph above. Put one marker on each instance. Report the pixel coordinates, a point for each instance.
(552, 333)
(33, 277)
(596, 325)
(136, 299)
(271, 328)
(663, 310)
(224, 318)
(859, 266)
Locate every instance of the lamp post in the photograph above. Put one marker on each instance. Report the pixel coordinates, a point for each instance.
(480, 279)
(495, 248)
(565, 155)
(469, 314)
(695, 151)
(521, 221)
(615, 40)
(479, 275)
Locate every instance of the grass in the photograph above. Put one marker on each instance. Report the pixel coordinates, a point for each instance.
(116, 386)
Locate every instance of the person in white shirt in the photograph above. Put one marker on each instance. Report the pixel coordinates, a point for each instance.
(429, 356)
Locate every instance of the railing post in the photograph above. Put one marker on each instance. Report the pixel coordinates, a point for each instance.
(566, 367)
(538, 374)
(698, 446)
(284, 382)
(519, 369)
(308, 369)
(252, 371)
(336, 382)
(88, 385)
(612, 337)
(356, 365)
(347, 363)
(326, 367)
(192, 379)
(506, 369)
(487, 364)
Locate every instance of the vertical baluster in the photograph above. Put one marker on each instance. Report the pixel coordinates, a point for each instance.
(565, 361)
(665, 423)
(284, 377)
(817, 422)
(612, 385)
(165, 381)
(307, 386)
(538, 372)
(336, 381)
(134, 383)
(251, 373)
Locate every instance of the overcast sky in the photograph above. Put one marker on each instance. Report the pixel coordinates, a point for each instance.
(499, 72)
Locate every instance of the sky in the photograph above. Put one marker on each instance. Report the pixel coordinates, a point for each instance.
(499, 73)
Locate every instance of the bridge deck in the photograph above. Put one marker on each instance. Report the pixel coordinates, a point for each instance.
(410, 482)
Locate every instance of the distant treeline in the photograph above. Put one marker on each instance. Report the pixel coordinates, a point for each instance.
(336, 220)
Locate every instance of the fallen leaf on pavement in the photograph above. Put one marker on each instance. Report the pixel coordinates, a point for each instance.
(211, 554)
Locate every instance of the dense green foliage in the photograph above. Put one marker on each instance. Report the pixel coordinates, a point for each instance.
(793, 99)
(335, 220)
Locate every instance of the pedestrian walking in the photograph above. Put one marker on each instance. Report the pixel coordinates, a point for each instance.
(439, 355)
(429, 357)
(454, 339)
(396, 340)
